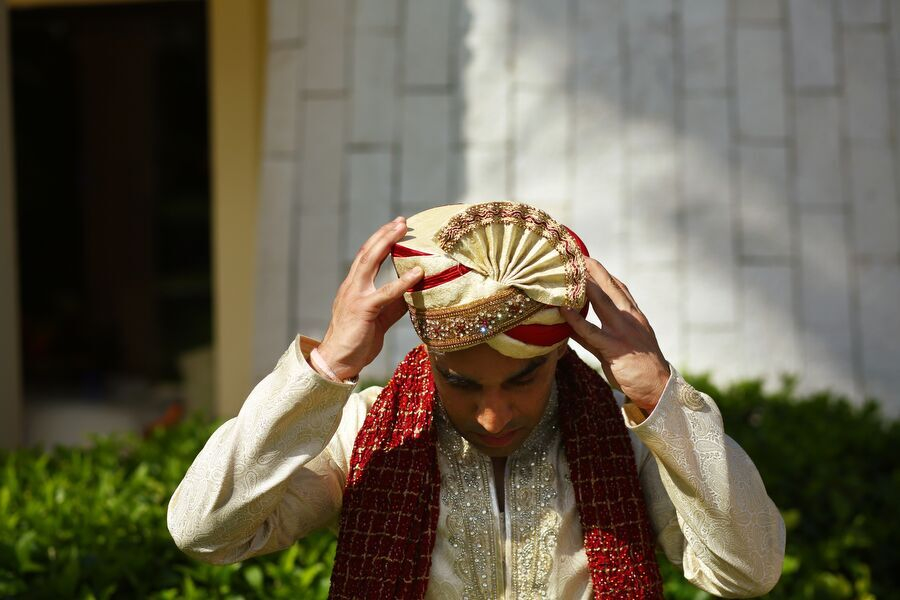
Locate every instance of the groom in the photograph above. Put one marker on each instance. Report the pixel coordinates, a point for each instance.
(495, 463)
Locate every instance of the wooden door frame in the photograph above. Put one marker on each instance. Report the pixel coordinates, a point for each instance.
(237, 54)
(11, 409)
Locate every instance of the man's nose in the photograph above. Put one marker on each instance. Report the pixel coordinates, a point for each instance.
(494, 413)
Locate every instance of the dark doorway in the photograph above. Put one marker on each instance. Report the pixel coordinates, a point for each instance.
(110, 112)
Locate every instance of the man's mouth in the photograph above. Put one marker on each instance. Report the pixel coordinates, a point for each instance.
(497, 441)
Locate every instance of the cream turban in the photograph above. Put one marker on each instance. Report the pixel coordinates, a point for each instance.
(495, 273)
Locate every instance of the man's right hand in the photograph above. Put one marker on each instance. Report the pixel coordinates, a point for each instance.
(361, 313)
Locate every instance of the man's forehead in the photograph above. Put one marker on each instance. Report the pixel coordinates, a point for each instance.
(483, 369)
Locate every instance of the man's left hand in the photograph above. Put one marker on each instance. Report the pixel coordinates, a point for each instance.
(625, 343)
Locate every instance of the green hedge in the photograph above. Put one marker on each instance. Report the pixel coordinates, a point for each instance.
(833, 470)
(91, 523)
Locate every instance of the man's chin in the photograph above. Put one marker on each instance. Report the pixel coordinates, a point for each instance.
(497, 447)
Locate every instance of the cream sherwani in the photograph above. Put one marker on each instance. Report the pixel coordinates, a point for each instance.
(276, 472)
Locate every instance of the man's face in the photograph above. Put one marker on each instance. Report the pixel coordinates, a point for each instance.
(494, 401)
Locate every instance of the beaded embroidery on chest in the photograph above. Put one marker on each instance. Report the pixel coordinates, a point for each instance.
(533, 521)
(391, 501)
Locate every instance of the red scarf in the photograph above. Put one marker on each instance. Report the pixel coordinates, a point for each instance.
(392, 498)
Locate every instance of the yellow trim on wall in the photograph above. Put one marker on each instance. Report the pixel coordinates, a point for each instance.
(237, 37)
(57, 3)
(237, 44)
(11, 409)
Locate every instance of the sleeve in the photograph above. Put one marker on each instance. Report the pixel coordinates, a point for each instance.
(275, 472)
(706, 500)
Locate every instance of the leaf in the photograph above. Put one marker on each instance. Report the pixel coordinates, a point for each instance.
(24, 548)
(254, 577)
(790, 565)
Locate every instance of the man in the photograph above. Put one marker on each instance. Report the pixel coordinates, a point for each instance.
(495, 463)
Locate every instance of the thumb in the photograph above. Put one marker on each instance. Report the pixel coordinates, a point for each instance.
(394, 289)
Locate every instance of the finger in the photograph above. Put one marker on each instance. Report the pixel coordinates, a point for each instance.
(603, 305)
(608, 284)
(394, 289)
(635, 309)
(372, 238)
(624, 289)
(594, 339)
(603, 354)
(367, 245)
(581, 341)
(375, 250)
(604, 362)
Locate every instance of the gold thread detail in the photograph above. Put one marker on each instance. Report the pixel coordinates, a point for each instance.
(454, 328)
(532, 219)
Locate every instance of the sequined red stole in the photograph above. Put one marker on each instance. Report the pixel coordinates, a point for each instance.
(392, 498)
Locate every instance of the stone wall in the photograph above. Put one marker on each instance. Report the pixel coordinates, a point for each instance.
(733, 162)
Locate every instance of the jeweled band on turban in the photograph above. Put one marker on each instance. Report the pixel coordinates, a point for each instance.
(495, 273)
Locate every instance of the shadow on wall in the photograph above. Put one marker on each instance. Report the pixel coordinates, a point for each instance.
(687, 180)
(673, 137)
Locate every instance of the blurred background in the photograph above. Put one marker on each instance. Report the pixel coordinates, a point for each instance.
(184, 183)
(733, 162)
(130, 151)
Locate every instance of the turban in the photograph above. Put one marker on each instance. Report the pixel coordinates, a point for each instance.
(494, 273)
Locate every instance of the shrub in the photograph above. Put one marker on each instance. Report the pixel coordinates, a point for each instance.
(833, 471)
(77, 523)
(90, 523)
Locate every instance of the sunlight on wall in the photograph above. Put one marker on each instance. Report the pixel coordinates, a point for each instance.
(707, 152)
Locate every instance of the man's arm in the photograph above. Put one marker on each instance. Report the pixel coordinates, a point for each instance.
(277, 470)
(265, 477)
(722, 528)
(708, 504)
